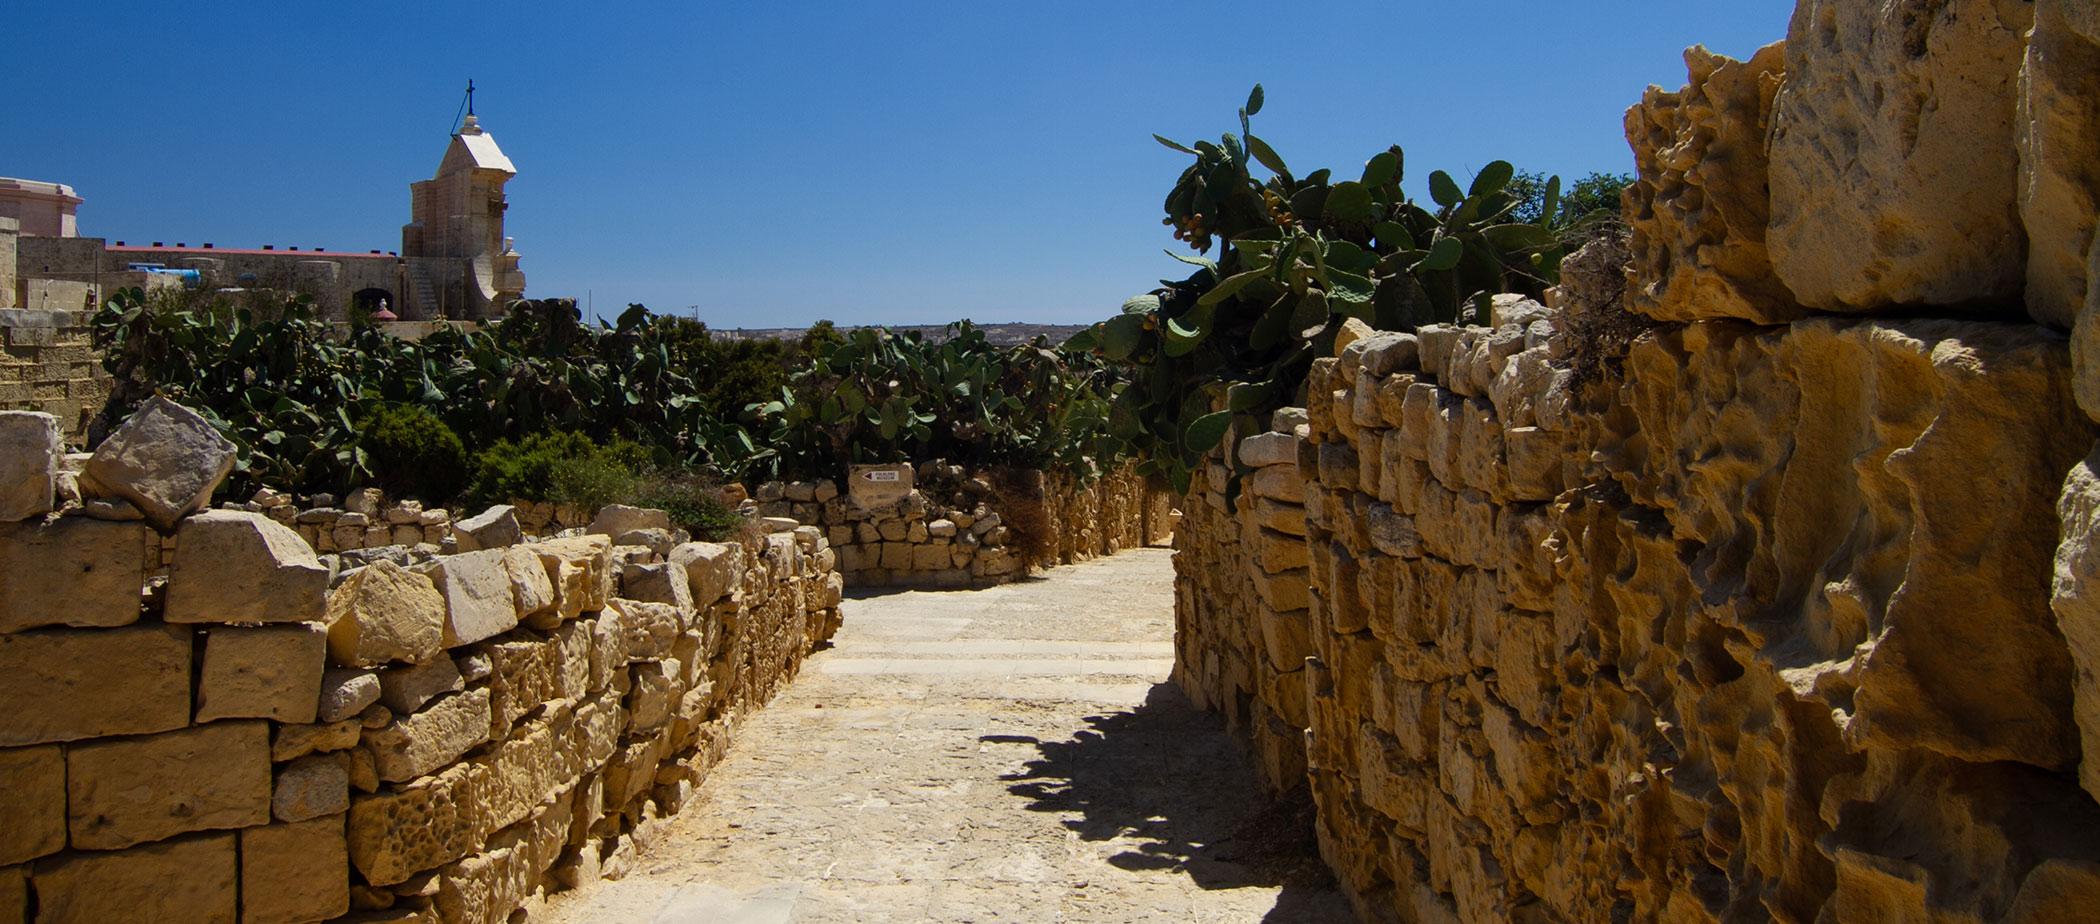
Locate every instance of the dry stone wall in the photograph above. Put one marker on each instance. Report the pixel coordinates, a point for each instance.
(1769, 614)
(958, 529)
(51, 365)
(251, 734)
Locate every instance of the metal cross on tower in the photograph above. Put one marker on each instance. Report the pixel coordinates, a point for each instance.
(470, 96)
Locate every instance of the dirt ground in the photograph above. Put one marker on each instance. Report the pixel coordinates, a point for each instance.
(1011, 754)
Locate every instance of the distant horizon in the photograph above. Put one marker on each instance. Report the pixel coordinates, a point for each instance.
(771, 167)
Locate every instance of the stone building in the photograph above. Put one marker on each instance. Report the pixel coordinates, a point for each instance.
(455, 263)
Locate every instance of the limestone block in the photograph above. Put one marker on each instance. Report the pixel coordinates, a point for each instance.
(29, 464)
(290, 742)
(663, 582)
(423, 742)
(1286, 638)
(896, 556)
(262, 672)
(1281, 482)
(930, 558)
(531, 590)
(191, 879)
(1264, 449)
(234, 566)
(58, 688)
(294, 873)
(476, 589)
(166, 460)
(1284, 591)
(1393, 533)
(618, 519)
(2058, 126)
(581, 570)
(494, 528)
(382, 613)
(2076, 602)
(649, 629)
(73, 571)
(132, 790)
(406, 688)
(311, 787)
(14, 893)
(32, 803)
(1284, 518)
(1894, 177)
(655, 688)
(941, 529)
(345, 692)
(396, 833)
(1700, 207)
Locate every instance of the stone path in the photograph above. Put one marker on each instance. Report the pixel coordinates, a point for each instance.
(1011, 754)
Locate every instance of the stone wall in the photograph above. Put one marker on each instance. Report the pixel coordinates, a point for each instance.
(959, 529)
(1754, 606)
(51, 364)
(251, 734)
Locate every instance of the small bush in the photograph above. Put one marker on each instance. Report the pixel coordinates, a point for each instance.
(411, 453)
(564, 467)
(695, 505)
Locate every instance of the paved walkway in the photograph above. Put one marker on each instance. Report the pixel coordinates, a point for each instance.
(1011, 754)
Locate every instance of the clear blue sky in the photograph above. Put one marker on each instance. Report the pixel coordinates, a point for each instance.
(776, 163)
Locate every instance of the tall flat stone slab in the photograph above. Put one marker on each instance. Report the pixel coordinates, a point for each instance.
(29, 463)
(166, 460)
(32, 803)
(58, 683)
(294, 873)
(133, 790)
(191, 879)
(2059, 133)
(1894, 180)
(262, 672)
(233, 567)
(72, 571)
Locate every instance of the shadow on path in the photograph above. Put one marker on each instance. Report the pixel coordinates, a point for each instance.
(1168, 780)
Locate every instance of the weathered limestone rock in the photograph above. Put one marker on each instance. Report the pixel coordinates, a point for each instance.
(1891, 178)
(476, 588)
(2076, 601)
(581, 571)
(405, 689)
(132, 790)
(424, 742)
(2059, 136)
(383, 613)
(713, 568)
(72, 571)
(58, 685)
(294, 873)
(663, 582)
(311, 787)
(494, 528)
(234, 566)
(1698, 211)
(192, 879)
(166, 460)
(619, 519)
(262, 672)
(397, 833)
(291, 742)
(29, 464)
(32, 803)
(532, 591)
(345, 692)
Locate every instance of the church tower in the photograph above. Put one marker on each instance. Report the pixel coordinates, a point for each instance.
(459, 264)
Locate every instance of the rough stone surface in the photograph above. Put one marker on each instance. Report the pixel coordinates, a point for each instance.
(58, 685)
(234, 566)
(129, 791)
(312, 786)
(1699, 208)
(293, 873)
(72, 571)
(581, 571)
(712, 568)
(619, 519)
(405, 689)
(494, 528)
(262, 672)
(345, 692)
(166, 460)
(424, 742)
(29, 464)
(1888, 182)
(2076, 600)
(32, 803)
(476, 589)
(384, 613)
(191, 879)
(2059, 135)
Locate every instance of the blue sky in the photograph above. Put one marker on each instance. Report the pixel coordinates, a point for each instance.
(772, 164)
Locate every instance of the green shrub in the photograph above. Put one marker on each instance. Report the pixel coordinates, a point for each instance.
(593, 482)
(566, 467)
(411, 453)
(695, 505)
